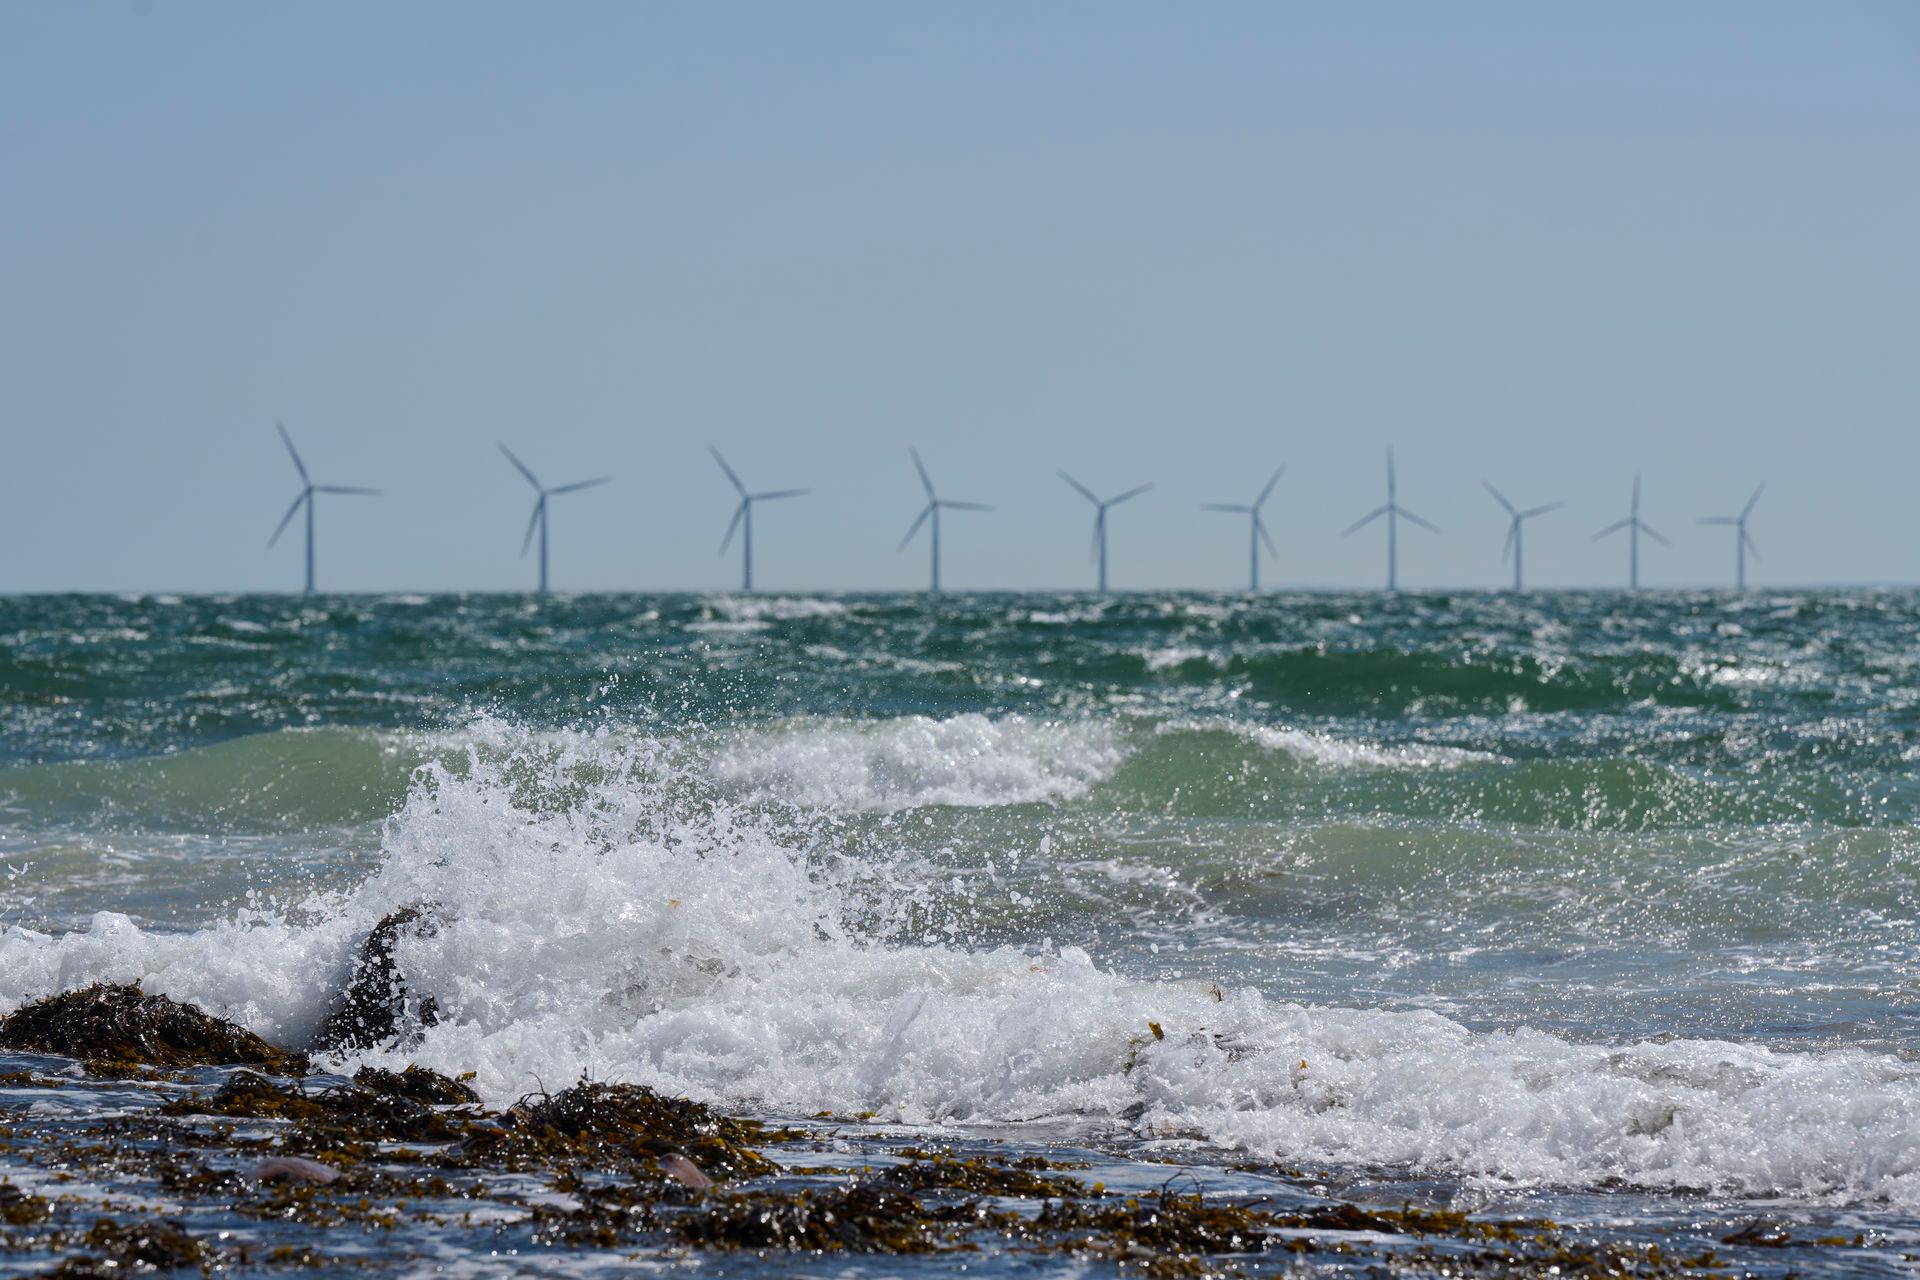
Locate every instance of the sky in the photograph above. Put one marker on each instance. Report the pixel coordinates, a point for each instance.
(1542, 245)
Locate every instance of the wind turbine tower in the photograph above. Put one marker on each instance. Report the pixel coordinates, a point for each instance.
(743, 518)
(1394, 512)
(1257, 530)
(932, 512)
(1634, 526)
(539, 517)
(307, 489)
(1100, 520)
(1743, 541)
(1516, 543)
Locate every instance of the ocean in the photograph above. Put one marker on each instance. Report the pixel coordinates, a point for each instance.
(1595, 907)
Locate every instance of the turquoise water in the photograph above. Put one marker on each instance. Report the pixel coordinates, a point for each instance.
(1557, 893)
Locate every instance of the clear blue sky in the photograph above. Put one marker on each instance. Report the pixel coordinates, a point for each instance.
(1540, 243)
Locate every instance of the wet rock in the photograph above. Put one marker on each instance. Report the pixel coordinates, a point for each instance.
(292, 1169)
(375, 1008)
(684, 1171)
(417, 1083)
(114, 1027)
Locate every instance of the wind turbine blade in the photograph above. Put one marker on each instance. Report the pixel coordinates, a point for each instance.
(1531, 512)
(1506, 547)
(914, 528)
(779, 493)
(532, 520)
(518, 465)
(344, 488)
(578, 485)
(305, 494)
(1430, 528)
(1084, 491)
(1500, 497)
(729, 470)
(1365, 520)
(1093, 547)
(1261, 526)
(1654, 533)
(1752, 546)
(1236, 507)
(1748, 509)
(964, 506)
(922, 469)
(739, 513)
(293, 453)
(1272, 481)
(1134, 492)
(1615, 527)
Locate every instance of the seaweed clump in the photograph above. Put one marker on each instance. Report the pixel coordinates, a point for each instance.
(161, 1245)
(417, 1084)
(1166, 1223)
(22, 1208)
(596, 1122)
(325, 1117)
(116, 1026)
(862, 1218)
(978, 1176)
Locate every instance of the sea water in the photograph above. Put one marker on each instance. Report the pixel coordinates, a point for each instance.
(1601, 904)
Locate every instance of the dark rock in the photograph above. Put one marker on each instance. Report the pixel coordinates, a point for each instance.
(122, 1025)
(374, 1008)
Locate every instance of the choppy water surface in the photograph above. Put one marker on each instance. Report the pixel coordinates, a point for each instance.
(1608, 902)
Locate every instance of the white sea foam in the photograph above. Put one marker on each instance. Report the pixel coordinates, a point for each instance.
(598, 914)
(775, 608)
(1331, 752)
(905, 763)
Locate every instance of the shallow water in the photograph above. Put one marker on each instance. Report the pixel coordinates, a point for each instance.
(1600, 903)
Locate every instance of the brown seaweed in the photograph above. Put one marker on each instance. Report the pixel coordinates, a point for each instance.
(113, 1027)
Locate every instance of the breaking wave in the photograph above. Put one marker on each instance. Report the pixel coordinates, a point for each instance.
(600, 910)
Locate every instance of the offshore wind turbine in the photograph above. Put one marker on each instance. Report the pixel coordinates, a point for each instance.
(539, 517)
(1742, 542)
(1516, 544)
(743, 516)
(1257, 532)
(932, 512)
(1100, 520)
(1393, 511)
(1634, 526)
(307, 489)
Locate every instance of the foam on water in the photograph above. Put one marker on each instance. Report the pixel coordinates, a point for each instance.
(1337, 753)
(889, 765)
(602, 911)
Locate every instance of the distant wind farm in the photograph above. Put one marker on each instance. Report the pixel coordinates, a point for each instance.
(928, 520)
